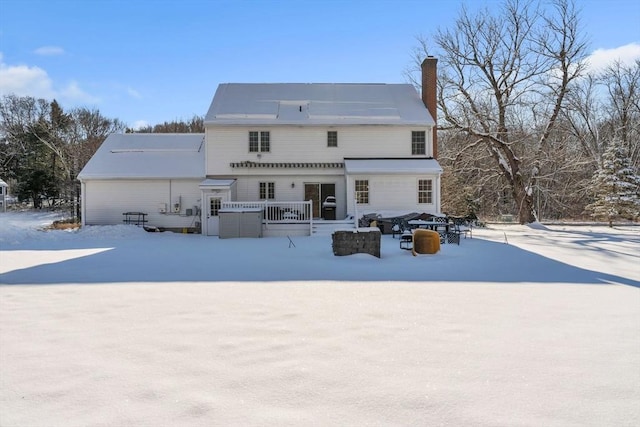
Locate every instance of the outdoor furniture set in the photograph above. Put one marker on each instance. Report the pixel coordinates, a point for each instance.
(449, 229)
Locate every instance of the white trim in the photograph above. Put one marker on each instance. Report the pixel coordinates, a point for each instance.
(405, 166)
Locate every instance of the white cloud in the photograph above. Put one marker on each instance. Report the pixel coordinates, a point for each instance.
(601, 58)
(139, 124)
(49, 51)
(24, 80)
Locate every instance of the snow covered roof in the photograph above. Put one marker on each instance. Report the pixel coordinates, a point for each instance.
(391, 166)
(217, 183)
(147, 155)
(317, 104)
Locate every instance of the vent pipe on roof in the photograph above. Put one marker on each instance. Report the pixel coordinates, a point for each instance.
(429, 95)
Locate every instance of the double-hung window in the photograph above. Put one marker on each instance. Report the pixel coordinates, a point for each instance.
(267, 190)
(425, 191)
(259, 142)
(362, 191)
(418, 142)
(332, 138)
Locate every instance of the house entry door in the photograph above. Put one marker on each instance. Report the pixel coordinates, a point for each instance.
(317, 193)
(312, 192)
(213, 217)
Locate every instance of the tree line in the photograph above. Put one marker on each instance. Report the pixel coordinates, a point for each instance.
(525, 129)
(43, 147)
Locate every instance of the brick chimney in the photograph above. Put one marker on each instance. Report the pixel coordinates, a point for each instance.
(429, 79)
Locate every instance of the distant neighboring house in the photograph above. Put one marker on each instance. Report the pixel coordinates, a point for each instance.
(371, 146)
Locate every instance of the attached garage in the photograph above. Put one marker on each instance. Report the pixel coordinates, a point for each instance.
(157, 175)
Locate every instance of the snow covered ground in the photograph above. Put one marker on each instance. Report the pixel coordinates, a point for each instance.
(115, 326)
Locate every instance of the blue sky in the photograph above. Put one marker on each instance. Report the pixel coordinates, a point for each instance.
(157, 60)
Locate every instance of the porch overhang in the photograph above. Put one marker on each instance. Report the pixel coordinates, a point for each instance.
(216, 184)
(392, 166)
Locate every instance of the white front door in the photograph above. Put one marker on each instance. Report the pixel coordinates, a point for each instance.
(213, 218)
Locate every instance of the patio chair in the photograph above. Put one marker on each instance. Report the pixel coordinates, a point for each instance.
(453, 235)
(442, 228)
(464, 227)
(406, 240)
(395, 227)
(398, 227)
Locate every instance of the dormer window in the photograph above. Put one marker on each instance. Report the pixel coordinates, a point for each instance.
(418, 142)
(259, 142)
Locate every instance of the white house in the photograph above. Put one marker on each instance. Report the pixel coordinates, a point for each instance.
(371, 146)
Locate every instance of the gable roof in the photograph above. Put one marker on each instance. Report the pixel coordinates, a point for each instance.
(147, 155)
(317, 104)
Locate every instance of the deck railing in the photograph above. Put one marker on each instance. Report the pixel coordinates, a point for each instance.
(278, 212)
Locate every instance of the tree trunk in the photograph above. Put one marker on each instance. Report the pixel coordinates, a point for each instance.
(526, 212)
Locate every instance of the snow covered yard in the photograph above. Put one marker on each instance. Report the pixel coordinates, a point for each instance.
(116, 326)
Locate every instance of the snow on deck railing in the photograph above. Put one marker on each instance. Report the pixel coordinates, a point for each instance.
(278, 212)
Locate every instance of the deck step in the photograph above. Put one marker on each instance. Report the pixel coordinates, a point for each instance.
(326, 228)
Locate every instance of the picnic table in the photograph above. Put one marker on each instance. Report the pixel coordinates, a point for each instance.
(430, 225)
(447, 230)
(137, 218)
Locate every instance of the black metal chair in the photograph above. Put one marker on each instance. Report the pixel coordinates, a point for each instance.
(464, 226)
(396, 229)
(467, 230)
(453, 235)
(406, 240)
(442, 228)
(399, 226)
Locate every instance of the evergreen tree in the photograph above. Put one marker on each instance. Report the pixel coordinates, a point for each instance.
(42, 148)
(616, 186)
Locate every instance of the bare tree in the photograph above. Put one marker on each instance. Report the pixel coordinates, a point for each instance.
(623, 88)
(503, 81)
(604, 107)
(583, 118)
(44, 148)
(29, 156)
(194, 125)
(87, 131)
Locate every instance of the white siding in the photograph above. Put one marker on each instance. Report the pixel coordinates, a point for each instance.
(392, 195)
(105, 201)
(248, 188)
(307, 144)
